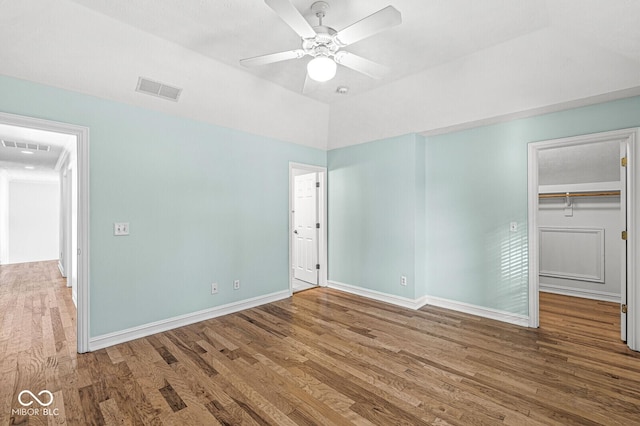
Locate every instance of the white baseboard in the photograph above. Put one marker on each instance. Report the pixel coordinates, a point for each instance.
(579, 292)
(481, 311)
(61, 269)
(74, 298)
(405, 302)
(144, 330)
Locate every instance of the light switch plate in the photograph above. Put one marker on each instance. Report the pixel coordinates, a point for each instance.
(513, 227)
(121, 228)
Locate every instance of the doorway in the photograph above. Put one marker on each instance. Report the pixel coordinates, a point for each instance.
(307, 227)
(566, 251)
(74, 254)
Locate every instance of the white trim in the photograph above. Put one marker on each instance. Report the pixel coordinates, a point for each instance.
(61, 159)
(404, 302)
(533, 235)
(82, 145)
(605, 296)
(633, 243)
(322, 219)
(580, 187)
(4, 217)
(562, 106)
(480, 311)
(110, 339)
(61, 269)
(571, 275)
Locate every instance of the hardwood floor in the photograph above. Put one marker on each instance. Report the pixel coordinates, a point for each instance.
(321, 357)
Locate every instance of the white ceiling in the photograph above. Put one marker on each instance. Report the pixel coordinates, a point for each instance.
(15, 159)
(432, 33)
(452, 61)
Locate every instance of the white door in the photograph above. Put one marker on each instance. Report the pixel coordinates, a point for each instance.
(305, 219)
(623, 248)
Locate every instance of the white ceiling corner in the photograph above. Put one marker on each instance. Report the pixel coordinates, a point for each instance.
(452, 61)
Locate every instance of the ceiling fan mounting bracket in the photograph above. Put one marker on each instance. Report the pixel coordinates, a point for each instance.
(320, 7)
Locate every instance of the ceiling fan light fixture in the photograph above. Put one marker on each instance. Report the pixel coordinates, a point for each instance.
(321, 68)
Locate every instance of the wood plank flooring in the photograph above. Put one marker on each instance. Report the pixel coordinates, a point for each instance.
(321, 357)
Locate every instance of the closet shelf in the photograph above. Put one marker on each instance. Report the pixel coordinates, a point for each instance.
(580, 194)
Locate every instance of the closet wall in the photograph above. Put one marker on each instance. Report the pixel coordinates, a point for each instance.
(580, 245)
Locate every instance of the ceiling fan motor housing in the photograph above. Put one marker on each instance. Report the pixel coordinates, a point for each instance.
(322, 44)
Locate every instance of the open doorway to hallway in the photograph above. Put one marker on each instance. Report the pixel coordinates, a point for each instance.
(44, 209)
(38, 234)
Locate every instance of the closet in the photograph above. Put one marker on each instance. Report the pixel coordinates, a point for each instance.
(581, 215)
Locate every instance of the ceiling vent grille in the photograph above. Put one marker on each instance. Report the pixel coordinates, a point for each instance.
(158, 89)
(26, 145)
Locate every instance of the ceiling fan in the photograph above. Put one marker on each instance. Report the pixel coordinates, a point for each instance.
(324, 43)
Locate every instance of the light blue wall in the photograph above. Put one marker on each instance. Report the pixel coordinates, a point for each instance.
(207, 204)
(440, 207)
(476, 184)
(372, 196)
(204, 203)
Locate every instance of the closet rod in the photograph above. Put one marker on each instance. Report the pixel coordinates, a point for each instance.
(580, 194)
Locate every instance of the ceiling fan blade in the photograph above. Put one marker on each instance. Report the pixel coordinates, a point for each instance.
(362, 65)
(290, 15)
(372, 24)
(310, 85)
(272, 57)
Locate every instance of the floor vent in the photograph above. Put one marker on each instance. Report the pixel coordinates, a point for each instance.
(26, 145)
(158, 89)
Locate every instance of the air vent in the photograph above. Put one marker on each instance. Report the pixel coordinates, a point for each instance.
(26, 145)
(158, 89)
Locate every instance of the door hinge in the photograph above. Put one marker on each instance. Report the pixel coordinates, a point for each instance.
(624, 235)
(623, 161)
(317, 184)
(318, 225)
(623, 308)
(79, 252)
(317, 266)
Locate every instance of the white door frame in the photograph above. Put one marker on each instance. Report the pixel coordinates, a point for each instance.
(630, 136)
(322, 219)
(82, 148)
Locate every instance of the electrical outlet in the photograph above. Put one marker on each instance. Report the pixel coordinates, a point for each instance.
(403, 280)
(214, 288)
(121, 228)
(236, 285)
